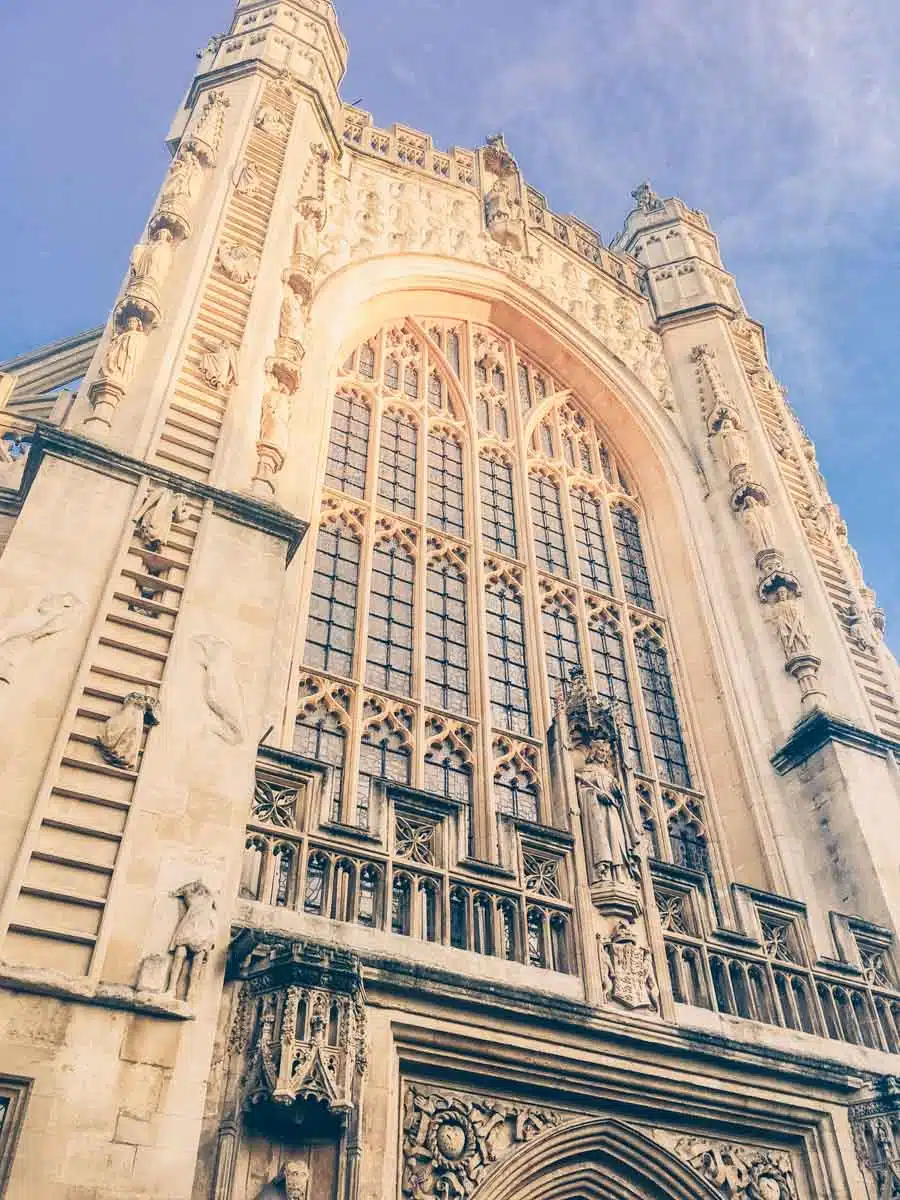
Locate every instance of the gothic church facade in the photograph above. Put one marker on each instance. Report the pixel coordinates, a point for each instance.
(450, 748)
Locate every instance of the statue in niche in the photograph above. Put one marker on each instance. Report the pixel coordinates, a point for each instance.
(220, 688)
(295, 1178)
(276, 414)
(193, 940)
(120, 739)
(162, 508)
(218, 365)
(734, 441)
(51, 615)
(789, 624)
(150, 263)
(122, 353)
(615, 835)
(206, 135)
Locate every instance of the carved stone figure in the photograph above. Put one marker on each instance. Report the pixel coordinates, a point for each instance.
(614, 835)
(503, 214)
(731, 438)
(866, 625)
(220, 688)
(150, 264)
(276, 414)
(292, 323)
(789, 624)
(295, 1177)
(739, 1172)
(627, 970)
(218, 365)
(238, 262)
(180, 187)
(122, 354)
(249, 180)
(269, 119)
(51, 615)
(193, 940)
(161, 509)
(757, 518)
(120, 739)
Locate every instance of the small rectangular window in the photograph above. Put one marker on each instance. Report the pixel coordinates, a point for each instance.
(14, 1094)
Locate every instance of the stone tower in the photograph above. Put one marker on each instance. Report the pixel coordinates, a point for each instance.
(450, 744)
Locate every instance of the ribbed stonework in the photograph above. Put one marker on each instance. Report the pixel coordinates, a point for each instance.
(450, 743)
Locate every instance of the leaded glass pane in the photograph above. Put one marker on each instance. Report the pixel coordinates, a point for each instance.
(348, 447)
(498, 522)
(507, 664)
(411, 382)
(611, 680)
(631, 556)
(383, 754)
(445, 484)
(389, 649)
(397, 464)
(319, 735)
(331, 628)
(560, 646)
(435, 391)
(662, 714)
(592, 558)
(392, 374)
(448, 774)
(515, 793)
(549, 535)
(446, 654)
(367, 361)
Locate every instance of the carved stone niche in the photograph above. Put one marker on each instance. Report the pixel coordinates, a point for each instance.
(308, 1054)
(612, 826)
(875, 1122)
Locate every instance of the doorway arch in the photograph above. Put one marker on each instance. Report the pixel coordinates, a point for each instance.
(594, 1160)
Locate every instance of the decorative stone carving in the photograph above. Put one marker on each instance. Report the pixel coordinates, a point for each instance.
(865, 623)
(274, 434)
(249, 180)
(739, 1172)
(450, 1141)
(238, 262)
(221, 690)
(876, 1134)
(120, 739)
(646, 200)
(205, 136)
(218, 364)
(295, 1177)
(788, 621)
(311, 1029)
(117, 367)
(193, 940)
(150, 264)
(503, 214)
(269, 119)
(160, 510)
(312, 212)
(292, 319)
(612, 824)
(178, 194)
(626, 969)
(51, 615)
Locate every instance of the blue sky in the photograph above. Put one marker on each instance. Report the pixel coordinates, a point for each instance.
(779, 118)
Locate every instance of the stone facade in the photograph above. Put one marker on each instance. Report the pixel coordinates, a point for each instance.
(451, 745)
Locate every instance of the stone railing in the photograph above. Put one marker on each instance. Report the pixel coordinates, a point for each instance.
(408, 148)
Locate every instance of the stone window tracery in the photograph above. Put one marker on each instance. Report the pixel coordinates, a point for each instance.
(507, 658)
(498, 520)
(331, 628)
(631, 556)
(446, 645)
(348, 448)
(389, 654)
(397, 463)
(547, 522)
(445, 483)
(561, 652)
(662, 714)
(593, 562)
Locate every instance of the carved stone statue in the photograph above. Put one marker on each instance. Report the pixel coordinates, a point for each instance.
(193, 940)
(120, 739)
(503, 215)
(181, 183)
(150, 264)
(295, 1177)
(732, 439)
(614, 835)
(220, 688)
(162, 508)
(276, 414)
(292, 323)
(218, 365)
(268, 119)
(789, 624)
(51, 615)
(205, 136)
(238, 262)
(123, 351)
(757, 518)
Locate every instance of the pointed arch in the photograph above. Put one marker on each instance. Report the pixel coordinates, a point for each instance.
(594, 1160)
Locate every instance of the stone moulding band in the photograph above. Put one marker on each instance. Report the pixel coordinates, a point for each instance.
(245, 510)
(41, 981)
(818, 730)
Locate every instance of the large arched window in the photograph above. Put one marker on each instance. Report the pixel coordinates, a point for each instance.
(438, 597)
